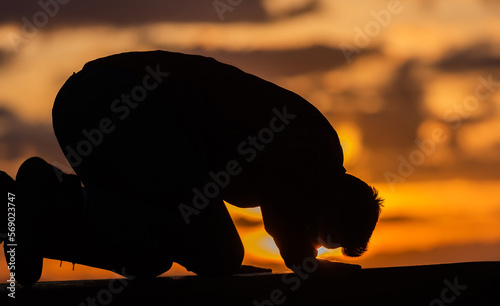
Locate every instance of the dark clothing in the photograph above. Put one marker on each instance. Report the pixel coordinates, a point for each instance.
(154, 126)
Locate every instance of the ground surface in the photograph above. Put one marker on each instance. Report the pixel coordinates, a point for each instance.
(476, 283)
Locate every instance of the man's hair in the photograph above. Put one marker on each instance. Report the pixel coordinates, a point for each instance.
(358, 207)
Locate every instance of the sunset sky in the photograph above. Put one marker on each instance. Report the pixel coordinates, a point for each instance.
(412, 88)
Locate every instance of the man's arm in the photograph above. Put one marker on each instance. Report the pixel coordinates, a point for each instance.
(293, 238)
(288, 211)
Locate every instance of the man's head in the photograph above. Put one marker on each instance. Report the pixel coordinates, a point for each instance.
(349, 211)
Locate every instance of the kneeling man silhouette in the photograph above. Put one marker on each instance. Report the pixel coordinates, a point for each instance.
(158, 141)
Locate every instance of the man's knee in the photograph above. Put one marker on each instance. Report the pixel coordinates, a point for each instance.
(233, 259)
(224, 262)
(216, 259)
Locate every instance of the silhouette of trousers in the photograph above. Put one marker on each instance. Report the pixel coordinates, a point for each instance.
(129, 147)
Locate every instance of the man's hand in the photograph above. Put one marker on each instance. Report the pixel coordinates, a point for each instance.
(245, 269)
(329, 268)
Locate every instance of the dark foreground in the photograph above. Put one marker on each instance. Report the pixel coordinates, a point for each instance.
(475, 283)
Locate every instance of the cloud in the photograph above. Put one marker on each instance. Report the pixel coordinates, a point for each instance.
(130, 12)
(19, 138)
(480, 56)
(290, 8)
(396, 126)
(400, 219)
(285, 62)
(5, 56)
(438, 255)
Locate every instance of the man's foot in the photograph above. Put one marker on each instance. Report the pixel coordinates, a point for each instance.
(25, 264)
(49, 210)
(33, 189)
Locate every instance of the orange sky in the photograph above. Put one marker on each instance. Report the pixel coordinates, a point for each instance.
(407, 76)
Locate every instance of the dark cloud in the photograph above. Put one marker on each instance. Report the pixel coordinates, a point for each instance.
(131, 12)
(391, 134)
(392, 131)
(480, 56)
(4, 56)
(307, 7)
(401, 218)
(437, 255)
(396, 126)
(19, 138)
(286, 62)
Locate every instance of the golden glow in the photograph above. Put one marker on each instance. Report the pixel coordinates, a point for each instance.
(483, 146)
(255, 238)
(443, 214)
(439, 152)
(445, 93)
(351, 141)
